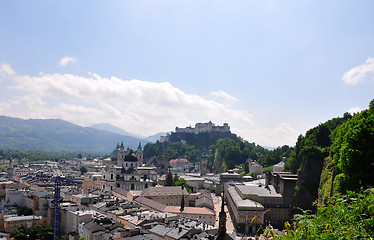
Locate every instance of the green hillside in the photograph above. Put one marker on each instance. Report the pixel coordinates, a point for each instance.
(223, 151)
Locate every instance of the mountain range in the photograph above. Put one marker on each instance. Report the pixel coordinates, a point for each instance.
(56, 135)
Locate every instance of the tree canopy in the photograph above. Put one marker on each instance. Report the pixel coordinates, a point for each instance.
(353, 151)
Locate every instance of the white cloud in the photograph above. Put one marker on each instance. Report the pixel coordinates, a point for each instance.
(5, 70)
(137, 106)
(284, 128)
(225, 96)
(67, 60)
(358, 74)
(354, 110)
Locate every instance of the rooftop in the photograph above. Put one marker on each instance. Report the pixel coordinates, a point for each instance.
(245, 204)
(163, 191)
(261, 191)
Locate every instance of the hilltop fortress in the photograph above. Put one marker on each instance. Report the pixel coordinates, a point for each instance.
(208, 127)
(204, 127)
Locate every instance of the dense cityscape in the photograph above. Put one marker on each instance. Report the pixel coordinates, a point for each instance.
(186, 120)
(127, 196)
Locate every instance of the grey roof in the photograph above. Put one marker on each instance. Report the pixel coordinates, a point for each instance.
(150, 203)
(164, 191)
(152, 161)
(204, 201)
(160, 230)
(268, 191)
(243, 204)
(144, 237)
(177, 233)
(89, 225)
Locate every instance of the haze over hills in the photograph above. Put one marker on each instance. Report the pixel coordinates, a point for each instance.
(156, 136)
(55, 135)
(111, 128)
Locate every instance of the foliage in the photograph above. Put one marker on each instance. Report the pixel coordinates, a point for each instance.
(35, 233)
(176, 181)
(24, 211)
(47, 233)
(344, 217)
(223, 153)
(83, 169)
(268, 168)
(315, 144)
(169, 179)
(34, 156)
(181, 181)
(21, 233)
(353, 151)
(275, 156)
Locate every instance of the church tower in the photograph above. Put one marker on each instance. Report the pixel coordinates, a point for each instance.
(204, 163)
(121, 155)
(222, 220)
(164, 163)
(139, 155)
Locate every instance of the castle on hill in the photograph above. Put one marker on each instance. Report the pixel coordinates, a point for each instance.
(203, 127)
(199, 128)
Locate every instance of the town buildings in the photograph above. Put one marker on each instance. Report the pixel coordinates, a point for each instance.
(268, 203)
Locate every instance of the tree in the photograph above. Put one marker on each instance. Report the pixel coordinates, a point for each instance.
(83, 169)
(20, 233)
(47, 233)
(176, 179)
(24, 211)
(371, 105)
(182, 181)
(354, 152)
(169, 179)
(35, 233)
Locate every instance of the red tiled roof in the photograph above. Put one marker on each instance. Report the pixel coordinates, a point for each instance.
(182, 160)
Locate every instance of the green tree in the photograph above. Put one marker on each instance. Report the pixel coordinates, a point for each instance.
(25, 211)
(169, 179)
(354, 152)
(35, 233)
(182, 181)
(47, 233)
(83, 169)
(371, 105)
(175, 179)
(21, 233)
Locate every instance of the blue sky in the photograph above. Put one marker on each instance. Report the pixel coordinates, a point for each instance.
(271, 69)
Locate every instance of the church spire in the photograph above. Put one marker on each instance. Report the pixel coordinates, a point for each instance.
(222, 219)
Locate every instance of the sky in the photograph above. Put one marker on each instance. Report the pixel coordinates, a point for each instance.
(270, 69)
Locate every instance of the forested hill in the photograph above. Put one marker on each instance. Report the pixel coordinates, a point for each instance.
(223, 151)
(339, 151)
(55, 135)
